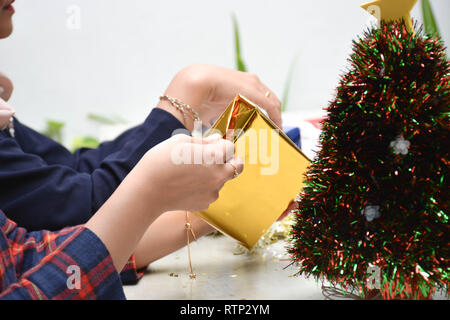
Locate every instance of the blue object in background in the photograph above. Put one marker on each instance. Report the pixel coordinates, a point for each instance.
(294, 134)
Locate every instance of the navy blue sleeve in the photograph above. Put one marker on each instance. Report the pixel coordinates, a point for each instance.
(83, 159)
(52, 194)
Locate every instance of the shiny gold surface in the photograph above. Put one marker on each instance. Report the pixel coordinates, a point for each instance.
(272, 176)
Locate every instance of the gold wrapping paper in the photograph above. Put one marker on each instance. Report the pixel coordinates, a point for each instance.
(273, 174)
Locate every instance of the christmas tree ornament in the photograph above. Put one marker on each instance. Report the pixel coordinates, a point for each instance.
(400, 145)
(376, 196)
(391, 10)
(371, 212)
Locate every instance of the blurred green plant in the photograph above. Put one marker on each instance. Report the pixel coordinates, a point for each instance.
(287, 85)
(241, 66)
(108, 120)
(429, 22)
(54, 130)
(92, 142)
(85, 142)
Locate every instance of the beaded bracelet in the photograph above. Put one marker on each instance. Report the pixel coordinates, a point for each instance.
(184, 109)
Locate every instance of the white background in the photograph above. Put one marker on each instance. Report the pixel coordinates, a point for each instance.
(126, 52)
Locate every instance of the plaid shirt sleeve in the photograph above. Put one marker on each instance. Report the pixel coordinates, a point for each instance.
(130, 273)
(69, 264)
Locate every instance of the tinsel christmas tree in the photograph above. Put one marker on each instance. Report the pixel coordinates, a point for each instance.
(377, 192)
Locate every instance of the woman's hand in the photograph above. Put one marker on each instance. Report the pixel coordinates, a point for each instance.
(185, 173)
(160, 183)
(209, 90)
(6, 112)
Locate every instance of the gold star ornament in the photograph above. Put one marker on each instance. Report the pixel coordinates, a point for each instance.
(391, 10)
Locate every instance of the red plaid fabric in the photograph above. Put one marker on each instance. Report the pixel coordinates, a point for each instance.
(130, 273)
(70, 264)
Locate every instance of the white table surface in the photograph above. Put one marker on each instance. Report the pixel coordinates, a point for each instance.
(224, 275)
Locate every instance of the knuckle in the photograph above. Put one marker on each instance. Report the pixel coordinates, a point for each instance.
(180, 137)
(217, 182)
(217, 156)
(240, 167)
(254, 79)
(229, 146)
(214, 195)
(277, 104)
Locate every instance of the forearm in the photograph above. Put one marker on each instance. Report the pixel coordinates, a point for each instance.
(126, 149)
(122, 221)
(39, 264)
(157, 185)
(166, 235)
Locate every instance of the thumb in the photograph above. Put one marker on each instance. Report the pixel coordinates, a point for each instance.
(212, 138)
(5, 107)
(6, 112)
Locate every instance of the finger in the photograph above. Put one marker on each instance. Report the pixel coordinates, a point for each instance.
(210, 139)
(213, 138)
(218, 152)
(233, 168)
(237, 163)
(197, 140)
(266, 99)
(181, 137)
(272, 105)
(6, 110)
(226, 147)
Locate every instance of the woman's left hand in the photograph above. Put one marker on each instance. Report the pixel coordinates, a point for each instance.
(209, 90)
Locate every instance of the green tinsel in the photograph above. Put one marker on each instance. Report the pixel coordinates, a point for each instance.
(377, 193)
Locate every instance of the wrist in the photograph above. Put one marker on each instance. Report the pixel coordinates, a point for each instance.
(190, 87)
(187, 121)
(143, 185)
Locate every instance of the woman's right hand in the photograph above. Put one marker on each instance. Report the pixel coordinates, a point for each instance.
(185, 173)
(160, 183)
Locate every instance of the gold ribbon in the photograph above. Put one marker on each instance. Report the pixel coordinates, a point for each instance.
(188, 226)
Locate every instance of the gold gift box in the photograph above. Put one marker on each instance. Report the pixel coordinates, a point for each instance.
(273, 174)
